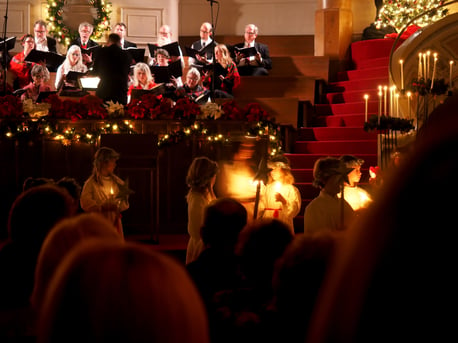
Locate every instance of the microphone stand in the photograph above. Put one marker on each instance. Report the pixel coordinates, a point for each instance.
(212, 84)
(5, 48)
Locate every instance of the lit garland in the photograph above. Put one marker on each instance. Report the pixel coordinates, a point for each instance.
(398, 13)
(64, 34)
(14, 124)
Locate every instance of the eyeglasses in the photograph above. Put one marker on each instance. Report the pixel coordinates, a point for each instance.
(203, 31)
(164, 33)
(250, 33)
(37, 31)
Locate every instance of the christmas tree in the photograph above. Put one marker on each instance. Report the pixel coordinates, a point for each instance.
(399, 13)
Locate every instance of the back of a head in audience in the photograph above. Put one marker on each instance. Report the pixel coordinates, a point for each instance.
(107, 291)
(393, 279)
(64, 236)
(297, 280)
(35, 211)
(224, 219)
(260, 244)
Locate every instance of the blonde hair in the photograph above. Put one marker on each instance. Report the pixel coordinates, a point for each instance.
(107, 289)
(140, 66)
(79, 66)
(225, 55)
(200, 174)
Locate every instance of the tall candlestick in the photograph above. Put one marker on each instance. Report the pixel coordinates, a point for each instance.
(385, 88)
(396, 100)
(428, 64)
(366, 98)
(401, 62)
(424, 67)
(419, 66)
(450, 76)
(434, 70)
(409, 94)
(380, 94)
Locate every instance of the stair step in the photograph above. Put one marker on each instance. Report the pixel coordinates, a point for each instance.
(303, 175)
(351, 96)
(336, 147)
(350, 120)
(307, 161)
(360, 74)
(341, 86)
(334, 133)
(370, 49)
(373, 62)
(355, 107)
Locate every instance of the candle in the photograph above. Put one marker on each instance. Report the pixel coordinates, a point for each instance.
(409, 94)
(396, 96)
(424, 67)
(428, 64)
(366, 98)
(392, 100)
(450, 76)
(419, 66)
(401, 62)
(380, 94)
(384, 99)
(111, 192)
(434, 70)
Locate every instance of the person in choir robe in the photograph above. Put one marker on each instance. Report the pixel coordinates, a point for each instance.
(257, 65)
(165, 37)
(226, 77)
(121, 29)
(40, 75)
(192, 88)
(19, 67)
(43, 42)
(206, 33)
(73, 62)
(142, 79)
(84, 41)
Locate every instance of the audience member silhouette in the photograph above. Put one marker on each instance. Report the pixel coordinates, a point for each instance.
(393, 279)
(241, 313)
(297, 280)
(105, 291)
(216, 267)
(32, 215)
(62, 238)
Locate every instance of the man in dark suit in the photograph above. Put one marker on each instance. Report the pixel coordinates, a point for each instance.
(121, 29)
(42, 41)
(206, 32)
(112, 66)
(252, 65)
(84, 41)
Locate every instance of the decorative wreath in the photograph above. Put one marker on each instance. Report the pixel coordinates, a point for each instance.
(64, 34)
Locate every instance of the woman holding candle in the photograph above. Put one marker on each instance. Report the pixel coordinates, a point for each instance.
(201, 179)
(103, 191)
(280, 198)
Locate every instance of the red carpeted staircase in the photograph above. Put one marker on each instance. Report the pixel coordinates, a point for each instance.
(339, 124)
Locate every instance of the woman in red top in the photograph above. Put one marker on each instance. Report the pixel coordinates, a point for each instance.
(227, 75)
(142, 79)
(40, 75)
(19, 67)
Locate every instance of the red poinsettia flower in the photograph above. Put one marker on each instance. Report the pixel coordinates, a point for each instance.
(10, 106)
(94, 105)
(254, 112)
(231, 111)
(186, 109)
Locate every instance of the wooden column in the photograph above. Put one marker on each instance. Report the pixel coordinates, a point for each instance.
(333, 28)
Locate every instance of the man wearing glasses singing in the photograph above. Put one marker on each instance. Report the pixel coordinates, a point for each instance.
(255, 64)
(206, 32)
(42, 41)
